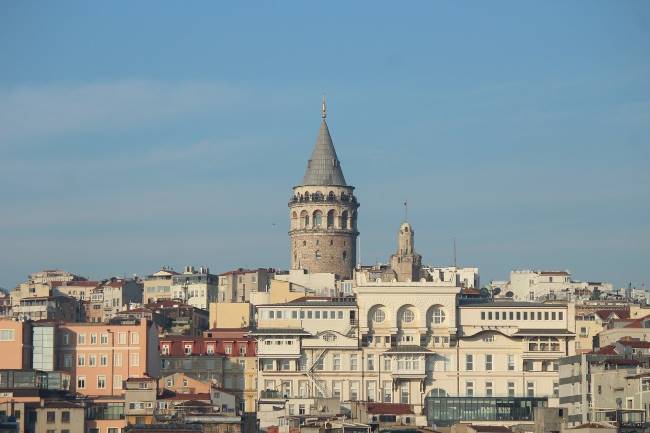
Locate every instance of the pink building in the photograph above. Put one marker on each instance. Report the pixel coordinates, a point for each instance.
(101, 356)
(15, 344)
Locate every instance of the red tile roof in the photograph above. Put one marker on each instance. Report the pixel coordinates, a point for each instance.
(389, 409)
(606, 314)
(637, 323)
(635, 344)
(185, 396)
(606, 350)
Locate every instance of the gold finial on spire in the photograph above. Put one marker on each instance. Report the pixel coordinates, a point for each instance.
(324, 108)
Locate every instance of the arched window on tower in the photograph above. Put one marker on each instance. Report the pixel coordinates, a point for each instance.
(330, 219)
(304, 219)
(344, 220)
(294, 220)
(317, 254)
(318, 218)
(331, 196)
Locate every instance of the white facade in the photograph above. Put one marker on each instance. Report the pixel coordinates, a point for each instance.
(403, 341)
(197, 288)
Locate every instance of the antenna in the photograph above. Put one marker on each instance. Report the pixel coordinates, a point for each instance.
(406, 211)
(454, 252)
(324, 108)
(359, 251)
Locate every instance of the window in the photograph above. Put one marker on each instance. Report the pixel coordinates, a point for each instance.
(371, 390)
(556, 389)
(242, 350)
(103, 359)
(7, 335)
(482, 315)
(553, 314)
(511, 362)
(488, 338)
(117, 359)
(386, 363)
(408, 316)
(560, 315)
(438, 315)
(511, 389)
(81, 360)
(645, 384)
(66, 338)
(285, 365)
(92, 360)
(404, 393)
(489, 315)
(371, 362)
(117, 381)
(354, 390)
(101, 382)
(353, 362)
(301, 409)
(530, 389)
(228, 349)
(469, 389)
(469, 362)
(320, 364)
(135, 338)
(337, 362)
(81, 382)
(104, 339)
(135, 360)
(488, 362)
(121, 338)
(81, 339)
(518, 315)
(378, 316)
(488, 389)
(67, 361)
(336, 389)
(93, 338)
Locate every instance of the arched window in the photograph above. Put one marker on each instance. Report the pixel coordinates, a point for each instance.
(306, 195)
(437, 315)
(317, 254)
(318, 218)
(378, 316)
(344, 220)
(408, 316)
(437, 392)
(330, 196)
(330, 219)
(304, 219)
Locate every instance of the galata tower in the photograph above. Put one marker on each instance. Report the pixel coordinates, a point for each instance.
(323, 213)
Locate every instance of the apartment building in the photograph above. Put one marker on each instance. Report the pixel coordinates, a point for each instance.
(15, 344)
(79, 289)
(60, 417)
(197, 288)
(237, 285)
(63, 308)
(621, 329)
(589, 323)
(225, 358)
(611, 385)
(117, 293)
(101, 356)
(158, 286)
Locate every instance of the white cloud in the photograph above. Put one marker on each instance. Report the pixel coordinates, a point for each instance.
(37, 111)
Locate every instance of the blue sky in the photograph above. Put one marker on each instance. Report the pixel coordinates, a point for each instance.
(141, 134)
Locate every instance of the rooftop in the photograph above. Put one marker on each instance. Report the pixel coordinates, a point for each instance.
(389, 409)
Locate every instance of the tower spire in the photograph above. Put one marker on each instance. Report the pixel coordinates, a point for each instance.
(324, 108)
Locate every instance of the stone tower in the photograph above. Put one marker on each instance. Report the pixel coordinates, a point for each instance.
(406, 263)
(323, 213)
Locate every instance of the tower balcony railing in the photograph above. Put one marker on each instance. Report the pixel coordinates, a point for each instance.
(323, 199)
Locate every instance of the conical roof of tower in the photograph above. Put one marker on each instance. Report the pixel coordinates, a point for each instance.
(324, 167)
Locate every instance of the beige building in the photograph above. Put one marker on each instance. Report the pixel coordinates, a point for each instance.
(60, 417)
(15, 344)
(323, 214)
(195, 287)
(158, 286)
(237, 285)
(118, 293)
(230, 315)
